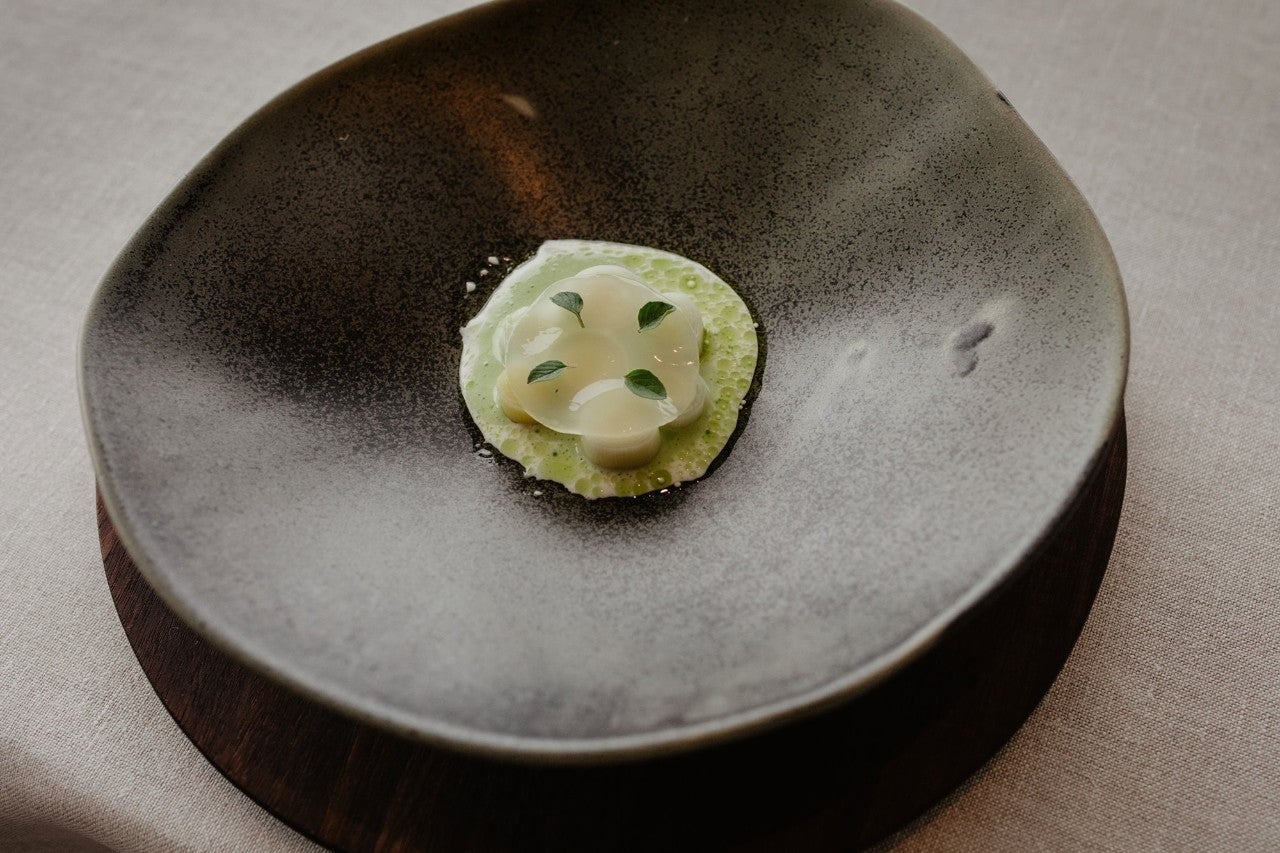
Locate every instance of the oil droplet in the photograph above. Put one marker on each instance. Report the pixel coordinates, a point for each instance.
(484, 453)
(471, 287)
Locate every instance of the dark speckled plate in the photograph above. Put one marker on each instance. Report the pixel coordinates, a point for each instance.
(268, 372)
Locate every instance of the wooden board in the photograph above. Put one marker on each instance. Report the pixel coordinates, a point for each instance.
(843, 779)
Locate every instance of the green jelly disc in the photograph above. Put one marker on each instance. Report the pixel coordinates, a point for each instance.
(728, 363)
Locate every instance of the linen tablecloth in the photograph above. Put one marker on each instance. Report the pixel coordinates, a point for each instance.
(1163, 731)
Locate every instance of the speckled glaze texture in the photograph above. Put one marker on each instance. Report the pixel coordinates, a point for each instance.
(269, 371)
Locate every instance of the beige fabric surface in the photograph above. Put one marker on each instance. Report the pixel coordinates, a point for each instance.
(1163, 731)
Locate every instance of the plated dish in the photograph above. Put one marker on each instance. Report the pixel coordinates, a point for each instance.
(270, 371)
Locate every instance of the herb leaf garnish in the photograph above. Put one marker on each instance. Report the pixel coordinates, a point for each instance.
(546, 370)
(651, 314)
(642, 383)
(571, 302)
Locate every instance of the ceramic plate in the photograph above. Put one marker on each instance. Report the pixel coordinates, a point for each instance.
(269, 371)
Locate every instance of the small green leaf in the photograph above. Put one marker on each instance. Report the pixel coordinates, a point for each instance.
(642, 383)
(571, 302)
(651, 314)
(546, 370)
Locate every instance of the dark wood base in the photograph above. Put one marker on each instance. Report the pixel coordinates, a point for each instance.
(840, 780)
